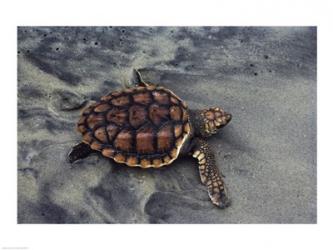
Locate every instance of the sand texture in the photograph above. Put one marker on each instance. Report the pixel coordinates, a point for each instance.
(266, 77)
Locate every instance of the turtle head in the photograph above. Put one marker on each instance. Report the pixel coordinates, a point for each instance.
(213, 120)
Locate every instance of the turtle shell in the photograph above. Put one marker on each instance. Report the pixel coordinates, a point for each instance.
(141, 126)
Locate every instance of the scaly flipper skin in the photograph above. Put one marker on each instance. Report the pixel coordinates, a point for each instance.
(79, 151)
(209, 173)
(140, 81)
(149, 126)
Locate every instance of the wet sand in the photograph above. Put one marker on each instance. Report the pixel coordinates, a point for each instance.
(266, 77)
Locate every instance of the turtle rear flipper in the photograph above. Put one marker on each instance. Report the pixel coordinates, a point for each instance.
(209, 174)
(79, 151)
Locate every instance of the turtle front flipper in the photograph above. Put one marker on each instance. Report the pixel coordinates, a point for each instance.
(140, 81)
(79, 151)
(209, 173)
(137, 80)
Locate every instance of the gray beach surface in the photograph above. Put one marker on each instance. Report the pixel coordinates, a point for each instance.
(264, 76)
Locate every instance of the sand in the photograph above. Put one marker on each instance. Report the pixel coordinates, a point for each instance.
(265, 77)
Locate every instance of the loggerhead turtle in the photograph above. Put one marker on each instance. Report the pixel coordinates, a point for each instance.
(149, 126)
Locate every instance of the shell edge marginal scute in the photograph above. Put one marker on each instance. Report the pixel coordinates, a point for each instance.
(86, 111)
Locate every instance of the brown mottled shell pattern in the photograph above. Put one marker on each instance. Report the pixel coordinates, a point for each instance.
(141, 126)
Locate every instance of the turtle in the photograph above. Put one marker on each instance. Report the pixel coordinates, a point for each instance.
(149, 126)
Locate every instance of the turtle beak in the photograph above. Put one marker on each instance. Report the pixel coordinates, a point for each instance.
(228, 117)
